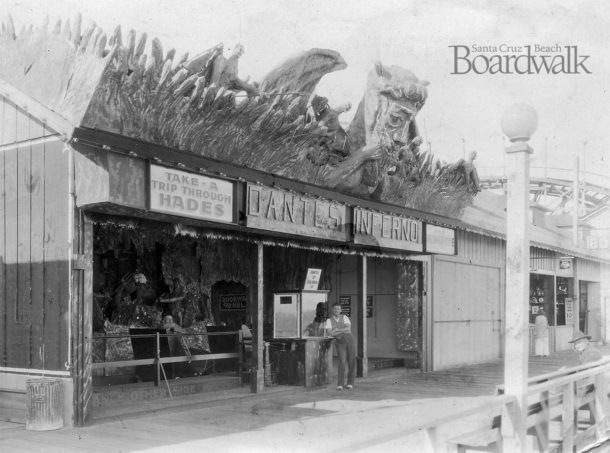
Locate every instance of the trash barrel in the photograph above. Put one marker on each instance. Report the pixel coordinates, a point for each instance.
(44, 405)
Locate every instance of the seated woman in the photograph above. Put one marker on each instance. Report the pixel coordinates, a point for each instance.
(177, 343)
(316, 327)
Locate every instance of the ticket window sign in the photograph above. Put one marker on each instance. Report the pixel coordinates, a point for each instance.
(312, 280)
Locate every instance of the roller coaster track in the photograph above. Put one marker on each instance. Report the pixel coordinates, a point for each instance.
(553, 188)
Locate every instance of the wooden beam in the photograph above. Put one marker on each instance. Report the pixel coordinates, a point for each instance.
(257, 377)
(83, 321)
(47, 116)
(360, 312)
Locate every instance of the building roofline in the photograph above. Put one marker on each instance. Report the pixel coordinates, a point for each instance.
(45, 115)
(112, 142)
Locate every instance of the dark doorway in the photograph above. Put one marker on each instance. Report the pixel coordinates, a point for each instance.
(229, 304)
(583, 311)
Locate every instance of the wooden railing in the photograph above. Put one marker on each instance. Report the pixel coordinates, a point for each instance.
(567, 410)
(159, 361)
(489, 435)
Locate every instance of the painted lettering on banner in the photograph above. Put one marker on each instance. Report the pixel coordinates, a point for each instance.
(186, 194)
(288, 212)
(387, 230)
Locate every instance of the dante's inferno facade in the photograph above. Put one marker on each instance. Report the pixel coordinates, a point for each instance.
(141, 185)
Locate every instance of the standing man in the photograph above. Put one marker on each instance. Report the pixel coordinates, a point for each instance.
(541, 336)
(339, 327)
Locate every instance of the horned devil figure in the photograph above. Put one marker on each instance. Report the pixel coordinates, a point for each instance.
(385, 131)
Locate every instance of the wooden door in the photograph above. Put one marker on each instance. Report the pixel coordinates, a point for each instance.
(466, 314)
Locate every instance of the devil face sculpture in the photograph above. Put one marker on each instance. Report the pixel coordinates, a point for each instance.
(393, 98)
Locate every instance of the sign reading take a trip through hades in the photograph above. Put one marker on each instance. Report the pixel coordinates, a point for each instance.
(387, 230)
(288, 212)
(190, 195)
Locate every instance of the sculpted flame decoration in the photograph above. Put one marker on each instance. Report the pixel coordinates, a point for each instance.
(201, 105)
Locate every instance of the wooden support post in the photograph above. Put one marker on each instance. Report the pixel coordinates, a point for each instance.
(82, 290)
(519, 122)
(360, 315)
(602, 406)
(158, 361)
(568, 419)
(240, 357)
(542, 428)
(257, 377)
(516, 339)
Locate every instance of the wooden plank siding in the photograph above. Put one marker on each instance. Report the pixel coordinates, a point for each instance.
(542, 260)
(34, 243)
(3, 306)
(588, 270)
(468, 302)
(56, 260)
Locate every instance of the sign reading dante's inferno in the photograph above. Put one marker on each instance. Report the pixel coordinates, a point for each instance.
(190, 195)
(288, 212)
(387, 230)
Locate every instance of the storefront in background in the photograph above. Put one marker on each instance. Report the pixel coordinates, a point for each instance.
(568, 288)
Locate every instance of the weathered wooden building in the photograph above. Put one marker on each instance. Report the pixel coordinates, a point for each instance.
(121, 169)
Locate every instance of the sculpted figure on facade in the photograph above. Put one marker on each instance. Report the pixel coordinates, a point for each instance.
(464, 172)
(384, 133)
(190, 104)
(225, 73)
(332, 140)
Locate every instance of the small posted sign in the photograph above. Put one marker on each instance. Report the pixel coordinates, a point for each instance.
(313, 279)
(569, 309)
(346, 305)
(565, 263)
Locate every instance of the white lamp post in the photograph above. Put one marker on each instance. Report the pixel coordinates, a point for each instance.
(519, 122)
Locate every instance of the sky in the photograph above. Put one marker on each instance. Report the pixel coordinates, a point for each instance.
(463, 111)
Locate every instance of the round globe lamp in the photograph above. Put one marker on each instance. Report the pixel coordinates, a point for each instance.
(519, 122)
